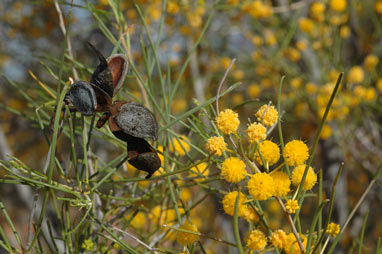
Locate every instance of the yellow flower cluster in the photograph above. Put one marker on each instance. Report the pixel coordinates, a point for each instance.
(310, 180)
(291, 206)
(187, 238)
(229, 203)
(233, 170)
(295, 153)
(200, 171)
(215, 145)
(338, 5)
(278, 238)
(270, 152)
(261, 186)
(256, 240)
(267, 114)
(227, 121)
(180, 145)
(257, 9)
(282, 183)
(333, 229)
(291, 245)
(88, 245)
(256, 132)
(355, 75)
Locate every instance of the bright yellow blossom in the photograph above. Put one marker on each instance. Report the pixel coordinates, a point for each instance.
(268, 114)
(306, 25)
(261, 186)
(233, 170)
(200, 171)
(278, 238)
(333, 229)
(291, 245)
(180, 146)
(295, 153)
(256, 132)
(291, 206)
(253, 90)
(229, 201)
(355, 75)
(256, 240)
(370, 62)
(310, 180)
(187, 238)
(215, 145)
(338, 5)
(270, 152)
(282, 183)
(227, 121)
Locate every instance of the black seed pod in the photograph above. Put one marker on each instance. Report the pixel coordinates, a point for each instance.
(82, 96)
(137, 121)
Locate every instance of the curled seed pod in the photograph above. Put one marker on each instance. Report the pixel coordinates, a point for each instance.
(102, 76)
(82, 96)
(136, 120)
(141, 154)
(118, 66)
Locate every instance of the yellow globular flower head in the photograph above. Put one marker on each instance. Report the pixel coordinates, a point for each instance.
(317, 10)
(344, 32)
(215, 145)
(256, 240)
(250, 215)
(229, 201)
(254, 90)
(261, 186)
(282, 183)
(379, 85)
(180, 146)
(338, 5)
(378, 7)
(301, 45)
(227, 121)
(88, 245)
(187, 238)
(326, 132)
(291, 245)
(256, 132)
(139, 220)
(333, 229)
(370, 62)
(306, 25)
(172, 7)
(291, 206)
(199, 170)
(270, 152)
(310, 180)
(233, 170)
(311, 88)
(278, 238)
(355, 75)
(295, 153)
(268, 114)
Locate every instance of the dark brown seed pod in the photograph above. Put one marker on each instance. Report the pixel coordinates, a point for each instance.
(82, 97)
(102, 76)
(136, 120)
(118, 66)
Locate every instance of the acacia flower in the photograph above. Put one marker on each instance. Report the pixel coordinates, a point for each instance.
(291, 206)
(278, 238)
(233, 170)
(187, 238)
(355, 75)
(261, 186)
(333, 229)
(370, 62)
(295, 153)
(338, 5)
(256, 132)
(256, 240)
(291, 245)
(180, 145)
(229, 203)
(215, 145)
(227, 121)
(268, 114)
(310, 180)
(88, 245)
(250, 215)
(282, 183)
(200, 169)
(270, 152)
